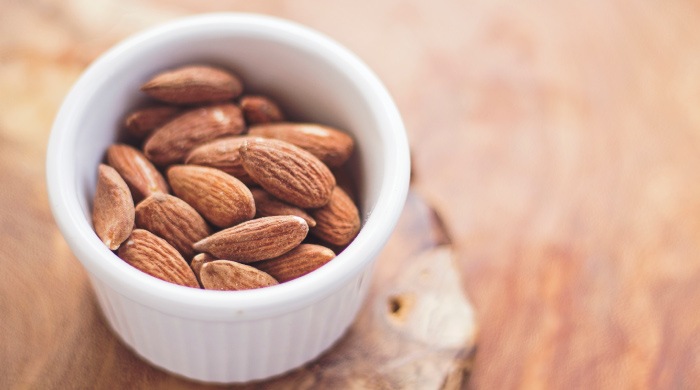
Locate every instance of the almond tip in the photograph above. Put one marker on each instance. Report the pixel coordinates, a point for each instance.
(198, 246)
(108, 242)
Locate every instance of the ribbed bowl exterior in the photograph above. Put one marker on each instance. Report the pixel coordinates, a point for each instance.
(232, 351)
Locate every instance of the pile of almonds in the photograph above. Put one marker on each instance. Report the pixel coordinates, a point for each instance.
(215, 189)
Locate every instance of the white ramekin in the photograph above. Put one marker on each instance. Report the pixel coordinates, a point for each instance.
(244, 335)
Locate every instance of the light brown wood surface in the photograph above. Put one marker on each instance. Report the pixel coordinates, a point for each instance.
(558, 141)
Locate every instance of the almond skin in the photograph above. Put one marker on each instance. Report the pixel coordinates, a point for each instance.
(113, 208)
(193, 85)
(330, 145)
(288, 172)
(219, 197)
(344, 180)
(267, 205)
(174, 220)
(260, 109)
(258, 239)
(297, 262)
(139, 174)
(198, 261)
(338, 222)
(222, 154)
(171, 143)
(141, 123)
(232, 276)
(153, 255)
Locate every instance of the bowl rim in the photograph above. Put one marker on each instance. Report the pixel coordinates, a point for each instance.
(226, 305)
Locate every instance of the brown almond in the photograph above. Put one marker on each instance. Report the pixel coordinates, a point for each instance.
(153, 255)
(267, 205)
(260, 109)
(193, 85)
(222, 154)
(232, 276)
(113, 208)
(258, 239)
(338, 222)
(219, 197)
(141, 123)
(139, 174)
(330, 145)
(171, 143)
(199, 260)
(174, 220)
(344, 180)
(288, 172)
(297, 262)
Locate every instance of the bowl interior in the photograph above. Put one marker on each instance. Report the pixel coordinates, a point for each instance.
(311, 77)
(299, 77)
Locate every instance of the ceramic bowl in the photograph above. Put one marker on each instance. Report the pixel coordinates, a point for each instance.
(231, 336)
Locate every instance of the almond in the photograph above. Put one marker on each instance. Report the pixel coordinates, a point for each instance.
(344, 180)
(153, 255)
(288, 172)
(330, 145)
(232, 276)
(141, 123)
(297, 262)
(139, 174)
(222, 154)
(172, 142)
(260, 109)
(219, 197)
(113, 208)
(338, 222)
(174, 220)
(267, 205)
(259, 239)
(193, 84)
(198, 261)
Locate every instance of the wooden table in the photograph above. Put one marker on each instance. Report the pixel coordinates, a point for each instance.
(559, 145)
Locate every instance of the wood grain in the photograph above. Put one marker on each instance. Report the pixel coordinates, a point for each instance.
(559, 142)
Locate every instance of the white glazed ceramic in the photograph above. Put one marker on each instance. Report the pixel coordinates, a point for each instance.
(237, 336)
